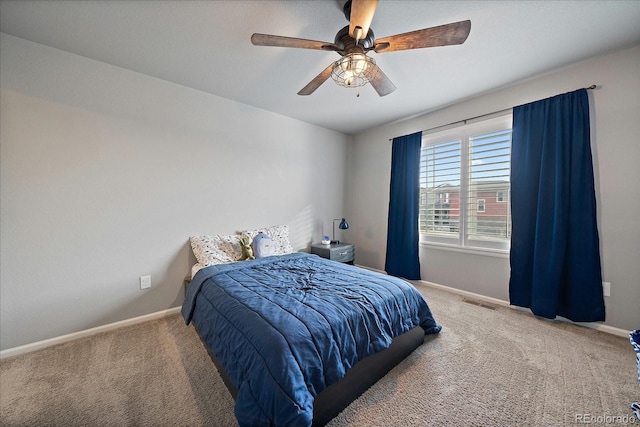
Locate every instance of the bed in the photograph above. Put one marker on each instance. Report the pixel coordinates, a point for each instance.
(296, 337)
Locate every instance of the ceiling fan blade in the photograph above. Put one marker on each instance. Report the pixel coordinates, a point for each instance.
(362, 12)
(382, 84)
(281, 41)
(316, 82)
(443, 35)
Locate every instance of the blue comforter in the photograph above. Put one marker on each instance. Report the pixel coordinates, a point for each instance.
(285, 327)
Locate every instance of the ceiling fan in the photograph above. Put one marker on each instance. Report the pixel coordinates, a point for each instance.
(354, 41)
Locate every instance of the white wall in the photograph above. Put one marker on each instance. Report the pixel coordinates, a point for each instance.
(615, 116)
(105, 173)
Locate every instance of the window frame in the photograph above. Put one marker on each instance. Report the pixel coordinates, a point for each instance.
(463, 132)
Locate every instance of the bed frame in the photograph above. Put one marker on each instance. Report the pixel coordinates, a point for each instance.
(335, 398)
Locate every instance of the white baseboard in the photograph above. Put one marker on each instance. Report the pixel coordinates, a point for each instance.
(593, 325)
(15, 351)
(473, 295)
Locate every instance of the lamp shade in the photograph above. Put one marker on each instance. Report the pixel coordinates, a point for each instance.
(342, 226)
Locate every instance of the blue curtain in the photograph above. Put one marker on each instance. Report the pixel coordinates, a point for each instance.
(404, 196)
(555, 255)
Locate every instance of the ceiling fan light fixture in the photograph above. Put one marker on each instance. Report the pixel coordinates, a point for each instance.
(353, 41)
(354, 70)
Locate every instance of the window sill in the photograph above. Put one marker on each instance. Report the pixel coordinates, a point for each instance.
(498, 253)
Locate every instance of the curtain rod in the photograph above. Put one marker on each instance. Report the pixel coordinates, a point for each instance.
(480, 116)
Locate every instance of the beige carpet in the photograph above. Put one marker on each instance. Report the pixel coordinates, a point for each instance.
(499, 367)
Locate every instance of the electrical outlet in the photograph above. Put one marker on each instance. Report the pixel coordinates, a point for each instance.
(145, 282)
(606, 289)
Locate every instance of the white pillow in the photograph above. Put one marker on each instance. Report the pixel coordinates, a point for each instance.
(279, 234)
(218, 249)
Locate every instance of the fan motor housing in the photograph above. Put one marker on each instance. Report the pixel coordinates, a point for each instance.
(346, 43)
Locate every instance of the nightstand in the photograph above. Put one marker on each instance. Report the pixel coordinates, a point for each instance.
(341, 252)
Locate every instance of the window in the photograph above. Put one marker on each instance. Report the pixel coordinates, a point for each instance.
(464, 185)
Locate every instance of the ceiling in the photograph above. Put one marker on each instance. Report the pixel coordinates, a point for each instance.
(205, 45)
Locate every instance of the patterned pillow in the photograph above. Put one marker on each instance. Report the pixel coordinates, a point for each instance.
(279, 235)
(218, 249)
